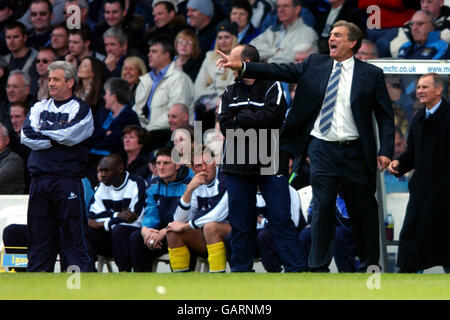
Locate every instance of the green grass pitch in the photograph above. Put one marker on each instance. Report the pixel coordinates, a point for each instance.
(227, 286)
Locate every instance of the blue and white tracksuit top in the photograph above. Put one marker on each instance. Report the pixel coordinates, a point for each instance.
(57, 133)
(209, 203)
(109, 201)
(162, 199)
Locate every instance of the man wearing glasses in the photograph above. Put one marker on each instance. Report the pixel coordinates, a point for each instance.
(276, 44)
(425, 43)
(41, 16)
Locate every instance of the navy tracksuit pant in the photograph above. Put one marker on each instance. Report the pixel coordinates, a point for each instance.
(242, 217)
(344, 250)
(142, 257)
(113, 244)
(57, 216)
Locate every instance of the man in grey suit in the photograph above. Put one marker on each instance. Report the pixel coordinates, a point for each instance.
(331, 122)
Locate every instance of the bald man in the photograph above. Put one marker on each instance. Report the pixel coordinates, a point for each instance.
(178, 116)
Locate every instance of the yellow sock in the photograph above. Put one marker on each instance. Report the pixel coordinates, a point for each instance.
(179, 258)
(217, 257)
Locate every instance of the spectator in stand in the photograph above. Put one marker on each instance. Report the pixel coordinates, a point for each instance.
(136, 160)
(338, 10)
(4, 74)
(116, 16)
(401, 102)
(20, 56)
(162, 200)
(392, 15)
(17, 90)
(6, 16)
(167, 22)
(91, 74)
(277, 42)
(178, 116)
(183, 142)
(133, 68)
(84, 12)
(303, 50)
(212, 81)
(424, 237)
(112, 119)
(441, 22)
(11, 167)
(425, 43)
(39, 78)
(41, 17)
(59, 40)
(18, 114)
(241, 14)
(158, 90)
(80, 42)
(116, 211)
(368, 50)
(116, 46)
(188, 57)
(260, 8)
(200, 15)
(57, 10)
(271, 20)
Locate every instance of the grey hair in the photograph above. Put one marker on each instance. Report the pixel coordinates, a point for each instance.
(25, 76)
(305, 47)
(438, 82)
(426, 13)
(117, 33)
(70, 71)
(372, 45)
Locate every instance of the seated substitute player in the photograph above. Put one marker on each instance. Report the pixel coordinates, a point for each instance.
(116, 210)
(344, 251)
(266, 246)
(199, 221)
(163, 194)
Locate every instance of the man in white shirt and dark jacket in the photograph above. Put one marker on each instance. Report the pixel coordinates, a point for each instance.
(255, 107)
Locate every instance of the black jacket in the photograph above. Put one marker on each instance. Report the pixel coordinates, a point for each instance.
(260, 106)
(424, 238)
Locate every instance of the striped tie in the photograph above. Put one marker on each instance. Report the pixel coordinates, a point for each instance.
(326, 115)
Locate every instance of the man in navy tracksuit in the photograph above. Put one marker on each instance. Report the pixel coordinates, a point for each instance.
(256, 105)
(56, 130)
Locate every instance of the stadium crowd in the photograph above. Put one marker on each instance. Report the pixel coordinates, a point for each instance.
(140, 73)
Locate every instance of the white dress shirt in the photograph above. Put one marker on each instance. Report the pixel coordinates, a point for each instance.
(343, 124)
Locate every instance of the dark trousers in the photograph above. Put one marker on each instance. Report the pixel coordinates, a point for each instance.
(113, 244)
(344, 250)
(16, 235)
(335, 166)
(242, 217)
(141, 256)
(57, 221)
(267, 251)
